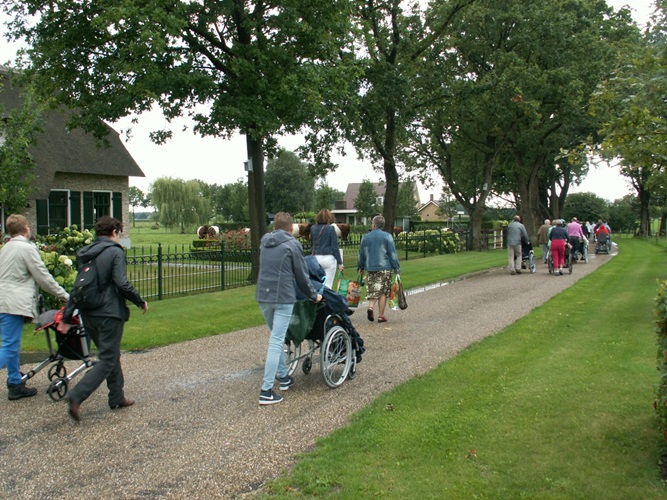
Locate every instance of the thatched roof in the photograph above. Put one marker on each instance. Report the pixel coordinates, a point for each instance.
(61, 149)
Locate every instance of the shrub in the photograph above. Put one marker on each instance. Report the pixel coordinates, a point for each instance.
(429, 241)
(67, 241)
(661, 390)
(62, 269)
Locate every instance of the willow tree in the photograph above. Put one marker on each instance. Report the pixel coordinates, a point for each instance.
(255, 67)
(180, 203)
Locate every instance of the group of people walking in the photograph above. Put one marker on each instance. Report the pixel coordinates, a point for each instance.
(22, 273)
(555, 237)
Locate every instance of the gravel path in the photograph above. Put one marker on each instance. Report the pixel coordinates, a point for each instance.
(197, 431)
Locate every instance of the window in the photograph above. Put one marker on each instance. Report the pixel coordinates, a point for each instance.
(58, 210)
(101, 204)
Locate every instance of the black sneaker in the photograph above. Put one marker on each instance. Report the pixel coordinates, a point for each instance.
(285, 383)
(269, 397)
(18, 391)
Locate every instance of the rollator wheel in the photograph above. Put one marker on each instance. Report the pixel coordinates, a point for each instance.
(57, 371)
(307, 365)
(57, 389)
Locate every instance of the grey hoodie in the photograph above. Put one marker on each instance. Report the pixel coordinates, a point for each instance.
(281, 263)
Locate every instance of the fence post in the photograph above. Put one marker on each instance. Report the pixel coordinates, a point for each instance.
(424, 242)
(159, 271)
(222, 265)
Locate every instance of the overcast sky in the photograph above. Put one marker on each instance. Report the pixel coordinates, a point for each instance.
(220, 161)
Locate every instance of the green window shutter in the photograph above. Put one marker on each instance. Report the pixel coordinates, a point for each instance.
(43, 217)
(117, 204)
(75, 208)
(88, 210)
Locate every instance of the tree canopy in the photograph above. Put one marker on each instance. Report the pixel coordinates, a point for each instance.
(289, 185)
(180, 203)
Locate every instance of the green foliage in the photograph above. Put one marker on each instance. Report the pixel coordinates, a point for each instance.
(62, 269)
(366, 201)
(326, 197)
(585, 207)
(66, 241)
(304, 217)
(18, 129)
(661, 322)
(407, 203)
(624, 214)
(231, 201)
(429, 241)
(289, 185)
(180, 203)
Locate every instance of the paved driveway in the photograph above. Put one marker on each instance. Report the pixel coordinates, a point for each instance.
(197, 431)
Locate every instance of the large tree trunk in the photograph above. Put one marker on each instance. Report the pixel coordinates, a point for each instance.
(476, 217)
(644, 221)
(390, 173)
(257, 209)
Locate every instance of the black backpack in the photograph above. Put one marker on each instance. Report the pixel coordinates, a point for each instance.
(87, 292)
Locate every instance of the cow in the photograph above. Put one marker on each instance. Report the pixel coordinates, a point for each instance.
(397, 230)
(208, 232)
(301, 230)
(342, 230)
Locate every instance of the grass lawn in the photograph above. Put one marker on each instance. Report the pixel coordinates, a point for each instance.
(558, 405)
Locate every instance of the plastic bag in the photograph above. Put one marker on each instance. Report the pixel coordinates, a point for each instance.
(397, 298)
(393, 296)
(343, 285)
(354, 292)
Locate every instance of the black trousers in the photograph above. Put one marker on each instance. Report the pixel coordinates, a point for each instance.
(106, 333)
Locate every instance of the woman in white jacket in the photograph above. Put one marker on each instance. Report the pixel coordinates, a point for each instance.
(21, 271)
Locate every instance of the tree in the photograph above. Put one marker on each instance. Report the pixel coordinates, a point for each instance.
(508, 100)
(585, 207)
(289, 185)
(326, 197)
(391, 41)
(408, 199)
(19, 128)
(632, 108)
(137, 199)
(258, 67)
(366, 202)
(180, 203)
(623, 214)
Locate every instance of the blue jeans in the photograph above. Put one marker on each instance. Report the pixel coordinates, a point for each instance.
(11, 329)
(277, 317)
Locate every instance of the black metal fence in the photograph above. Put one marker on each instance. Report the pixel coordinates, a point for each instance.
(162, 272)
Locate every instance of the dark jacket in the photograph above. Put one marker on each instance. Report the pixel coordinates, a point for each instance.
(110, 261)
(325, 241)
(334, 302)
(281, 267)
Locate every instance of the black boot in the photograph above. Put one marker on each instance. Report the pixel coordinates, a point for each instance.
(18, 391)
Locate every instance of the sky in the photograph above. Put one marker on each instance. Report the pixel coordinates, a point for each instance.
(220, 161)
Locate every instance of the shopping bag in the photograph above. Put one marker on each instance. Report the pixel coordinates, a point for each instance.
(354, 292)
(393, 296)
(343, 285)
(402, 301)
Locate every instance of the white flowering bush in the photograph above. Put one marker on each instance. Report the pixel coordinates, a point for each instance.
(58, 252)
(67, 241)
(429, 241)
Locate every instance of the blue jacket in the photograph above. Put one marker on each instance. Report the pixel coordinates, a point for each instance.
(378, 252)
(281, 267)
(325, 241)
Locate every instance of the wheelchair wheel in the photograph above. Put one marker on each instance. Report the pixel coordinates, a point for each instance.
(532, 263)
(586, 254)
(336, 356)
(292, 354)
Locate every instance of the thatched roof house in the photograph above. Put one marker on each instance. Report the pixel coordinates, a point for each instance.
(77, 179)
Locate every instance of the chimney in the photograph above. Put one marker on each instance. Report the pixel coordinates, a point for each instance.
(431, 196)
